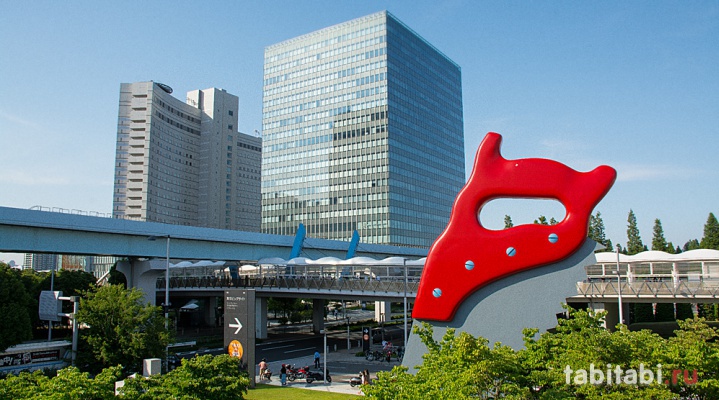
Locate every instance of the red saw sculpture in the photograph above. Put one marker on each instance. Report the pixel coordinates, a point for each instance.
(467, 256)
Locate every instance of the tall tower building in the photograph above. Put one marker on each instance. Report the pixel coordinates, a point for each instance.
(185, 163)
(362, 129)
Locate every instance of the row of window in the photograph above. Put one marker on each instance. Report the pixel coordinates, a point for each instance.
(324, 114)
(172, 122)
(321, 91)
(318, 45)
(313, 216)
(333, 76)
(325, 54)
(343, 98)
(353, 59)
(174, 111)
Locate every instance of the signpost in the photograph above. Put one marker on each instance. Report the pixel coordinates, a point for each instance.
(239, 330)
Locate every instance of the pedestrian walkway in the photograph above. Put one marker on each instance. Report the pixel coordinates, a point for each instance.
(342, 360)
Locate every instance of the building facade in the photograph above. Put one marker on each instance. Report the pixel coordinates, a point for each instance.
(362, 130)
(185, 163)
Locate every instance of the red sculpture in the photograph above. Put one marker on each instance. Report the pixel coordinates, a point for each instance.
(467, 256)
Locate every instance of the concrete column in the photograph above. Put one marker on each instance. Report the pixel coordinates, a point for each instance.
(318, 315)
(261, 317)
(143, 274)
(612, 309)
(383, 311)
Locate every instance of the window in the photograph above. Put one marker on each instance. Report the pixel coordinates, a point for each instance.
(229, 127)
(230, 112)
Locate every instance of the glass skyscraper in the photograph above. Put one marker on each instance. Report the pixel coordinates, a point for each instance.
(362, 130)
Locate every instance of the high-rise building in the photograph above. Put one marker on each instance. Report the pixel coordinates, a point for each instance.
(362, 130)
(185, 163)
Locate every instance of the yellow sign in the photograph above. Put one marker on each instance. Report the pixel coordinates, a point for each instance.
(235, 349)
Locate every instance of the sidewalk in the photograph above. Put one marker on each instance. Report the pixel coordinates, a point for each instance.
(340, 381)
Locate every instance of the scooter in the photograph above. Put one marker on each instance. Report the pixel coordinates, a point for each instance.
(317, 376)
(356, 380)
(267, 375)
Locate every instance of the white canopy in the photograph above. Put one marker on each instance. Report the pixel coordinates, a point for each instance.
(390, 261)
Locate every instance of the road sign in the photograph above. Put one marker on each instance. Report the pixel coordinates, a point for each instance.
(240, 326)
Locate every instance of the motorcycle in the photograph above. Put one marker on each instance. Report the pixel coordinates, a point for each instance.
(296, 373)
(317, 376)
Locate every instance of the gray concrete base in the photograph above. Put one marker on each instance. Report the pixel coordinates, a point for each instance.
(502, 309)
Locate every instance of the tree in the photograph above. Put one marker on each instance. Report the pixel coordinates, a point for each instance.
(69, 384)
(542, 220)
(116, 277)
(508, 222)
(692, 245)
(642, 312)
(684, 311)
(204, 377)
(634, 241)
(457, 367)
(122, 330)
(15, 321)
(665, 312)
(659, 243)
(711, 233)
(596, 231)
(694, 348)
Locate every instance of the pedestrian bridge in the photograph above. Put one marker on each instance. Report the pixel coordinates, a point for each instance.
(359, 278)
(652, 277)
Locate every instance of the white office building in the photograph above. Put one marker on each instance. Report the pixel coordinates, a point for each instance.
(185, 163)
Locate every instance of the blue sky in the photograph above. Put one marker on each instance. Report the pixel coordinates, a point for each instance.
(630, 84)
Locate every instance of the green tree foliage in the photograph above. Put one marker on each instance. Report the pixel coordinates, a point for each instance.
(116, 277)
(122, 330)
(695, 347)
(597, 233)
(542, 220)
(642, 312)
(692, 245)
(15, 321)
(634, 241)
(71, 283)
(205, 377)
(659, 243)
(711, 233)
(463, 367)
(684, 311)
(664, 312)
(69, 384)
(508, 222)
(709, 311)
(283, 305)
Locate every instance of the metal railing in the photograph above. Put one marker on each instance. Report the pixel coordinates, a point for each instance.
(289, 282)
(650, 289)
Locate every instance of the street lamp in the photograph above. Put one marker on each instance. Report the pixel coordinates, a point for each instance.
(324, 353)
(619, 290)
(166, 305)
(349, 346)
(404, 262)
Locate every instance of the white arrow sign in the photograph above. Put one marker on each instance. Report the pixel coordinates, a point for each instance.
(238, 325)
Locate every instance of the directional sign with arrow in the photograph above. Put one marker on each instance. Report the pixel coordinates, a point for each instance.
(240, 326)
(237, 325)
